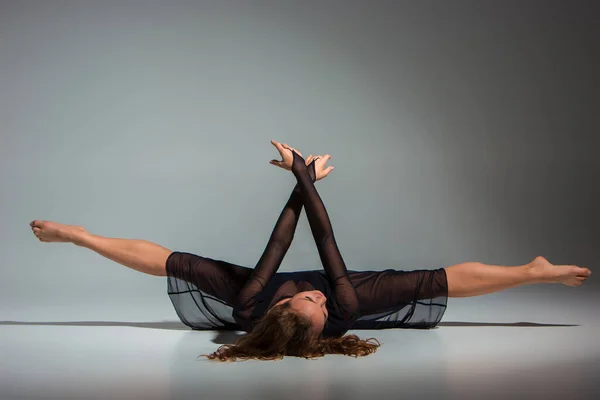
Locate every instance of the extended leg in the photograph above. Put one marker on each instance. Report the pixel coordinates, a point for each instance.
(140, 255)
(474, 279)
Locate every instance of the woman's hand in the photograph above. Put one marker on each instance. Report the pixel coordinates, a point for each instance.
(321, 170)
(287, 157)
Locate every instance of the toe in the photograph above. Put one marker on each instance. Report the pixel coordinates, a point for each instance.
(583, 271)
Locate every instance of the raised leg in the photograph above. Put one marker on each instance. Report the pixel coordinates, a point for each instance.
(474, 279)
(140, 255)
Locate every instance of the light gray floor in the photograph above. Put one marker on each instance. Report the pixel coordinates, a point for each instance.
(527, 342)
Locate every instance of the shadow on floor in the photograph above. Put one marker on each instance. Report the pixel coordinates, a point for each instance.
(221, 337)
(178, 326)
(527, 324)
(169, 325)
(228, 337)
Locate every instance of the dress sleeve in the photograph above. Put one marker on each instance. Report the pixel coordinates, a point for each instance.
(320, 225)
(277, 246)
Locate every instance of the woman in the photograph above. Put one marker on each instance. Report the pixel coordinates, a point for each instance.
(304, 314)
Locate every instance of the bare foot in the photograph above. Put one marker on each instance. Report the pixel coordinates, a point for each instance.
(48, 231)
(570, 275)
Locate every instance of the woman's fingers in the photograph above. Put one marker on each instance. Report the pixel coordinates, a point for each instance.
(281, 151)
(278, 146)
(282, 148)
(291, 149)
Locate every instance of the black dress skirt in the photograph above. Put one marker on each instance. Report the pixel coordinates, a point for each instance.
(203, 292)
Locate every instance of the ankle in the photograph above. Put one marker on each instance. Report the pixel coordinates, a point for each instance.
(534, 274)
(79, 237)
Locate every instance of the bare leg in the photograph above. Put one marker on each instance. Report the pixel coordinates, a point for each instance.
(140, 255)
(474, 279)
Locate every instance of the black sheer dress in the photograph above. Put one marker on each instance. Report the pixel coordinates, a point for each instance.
(215, 294)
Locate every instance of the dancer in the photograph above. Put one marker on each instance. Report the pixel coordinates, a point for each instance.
(307, 313)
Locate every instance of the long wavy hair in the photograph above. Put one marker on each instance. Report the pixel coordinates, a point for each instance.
(283, 332)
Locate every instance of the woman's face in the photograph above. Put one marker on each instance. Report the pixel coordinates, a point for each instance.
(312, 306)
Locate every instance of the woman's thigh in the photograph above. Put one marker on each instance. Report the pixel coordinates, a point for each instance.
(381, 291)
(217, 278)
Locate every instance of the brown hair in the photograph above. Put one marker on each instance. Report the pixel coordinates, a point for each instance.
(282, 332)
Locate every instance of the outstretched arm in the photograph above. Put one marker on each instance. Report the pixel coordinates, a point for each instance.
(277, 246)
(329, 253)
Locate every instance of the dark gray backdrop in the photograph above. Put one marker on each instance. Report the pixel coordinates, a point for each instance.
(460, 131)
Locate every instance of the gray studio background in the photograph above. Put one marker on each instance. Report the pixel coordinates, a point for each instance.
(460, 131)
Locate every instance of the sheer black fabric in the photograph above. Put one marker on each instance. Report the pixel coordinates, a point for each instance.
(387, 299)
(214, 294)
